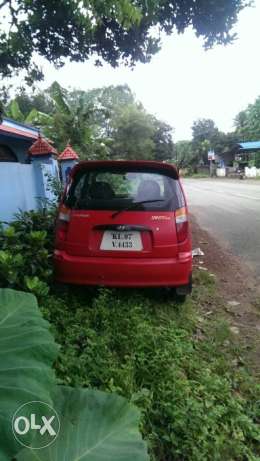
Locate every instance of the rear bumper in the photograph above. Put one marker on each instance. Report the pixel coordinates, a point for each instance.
(123, 271)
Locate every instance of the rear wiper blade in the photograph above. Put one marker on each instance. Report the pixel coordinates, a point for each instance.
(134, 205)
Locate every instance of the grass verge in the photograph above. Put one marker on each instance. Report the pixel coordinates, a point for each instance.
(198, 175)
(179, 363)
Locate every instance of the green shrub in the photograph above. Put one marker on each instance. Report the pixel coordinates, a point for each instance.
(153, 353)
(26, 252)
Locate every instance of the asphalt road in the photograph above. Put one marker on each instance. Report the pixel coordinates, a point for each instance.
(230, 211)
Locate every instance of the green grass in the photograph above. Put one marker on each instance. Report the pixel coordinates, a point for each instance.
(198, 175)
(176, 362)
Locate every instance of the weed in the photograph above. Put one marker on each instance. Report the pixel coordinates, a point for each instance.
(195, 404)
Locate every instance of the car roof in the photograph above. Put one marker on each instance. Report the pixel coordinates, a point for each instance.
(136, 164)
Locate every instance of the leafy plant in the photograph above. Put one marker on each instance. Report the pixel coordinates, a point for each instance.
(56, 187)
(36, 286)
(98, 425)
(27, 353)
(26, 252)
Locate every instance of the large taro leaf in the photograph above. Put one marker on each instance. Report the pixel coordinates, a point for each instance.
(27, 351)
(95, 426)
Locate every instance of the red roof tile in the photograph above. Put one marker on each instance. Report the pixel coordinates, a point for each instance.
(68, 154)
(41, 147)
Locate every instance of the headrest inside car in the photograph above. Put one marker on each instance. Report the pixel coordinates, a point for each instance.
(101, 191)
(148, 190)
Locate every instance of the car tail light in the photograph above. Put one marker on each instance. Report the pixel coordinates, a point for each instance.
(62, 224)
(182, 224)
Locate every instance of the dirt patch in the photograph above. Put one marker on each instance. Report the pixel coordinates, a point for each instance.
(237, 291)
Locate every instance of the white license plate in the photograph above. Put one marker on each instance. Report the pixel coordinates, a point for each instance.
(121, 241)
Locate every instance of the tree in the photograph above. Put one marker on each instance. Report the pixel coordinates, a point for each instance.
(163, 143)
(108, 102)
(137, 134)
(40, 100)
(99, 123)
(73, 119)
(204, 137)
(241, 124)
(247, 122)
(203, 129)
(133, 134)
(184, 154)
(112, 30)
(28, 108)
(61, 115)
(207, 136)
(87, 118)
(4, 98)
(1, 112)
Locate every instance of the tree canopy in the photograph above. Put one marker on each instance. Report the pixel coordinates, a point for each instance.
(109, 122)
(111, 30)
(105, 122)
(205, 136)
(247, 122)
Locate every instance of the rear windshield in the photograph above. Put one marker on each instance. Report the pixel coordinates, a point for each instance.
(110, 189)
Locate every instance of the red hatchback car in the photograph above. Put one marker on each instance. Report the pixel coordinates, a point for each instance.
(124, 223)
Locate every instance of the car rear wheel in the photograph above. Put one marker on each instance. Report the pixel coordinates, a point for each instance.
(183, 290)
(181, 298)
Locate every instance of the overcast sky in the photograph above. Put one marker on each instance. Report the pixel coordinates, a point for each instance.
(184, 82)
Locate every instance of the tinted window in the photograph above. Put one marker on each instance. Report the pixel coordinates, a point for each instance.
(116, 190)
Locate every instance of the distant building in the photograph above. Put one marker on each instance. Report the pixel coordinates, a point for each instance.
(241, 153)
(242, 159)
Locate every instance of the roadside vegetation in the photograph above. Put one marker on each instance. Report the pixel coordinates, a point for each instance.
(28, 353)
(170, 360)
(206, 136)
(104, 123)
(179, 364)
(110, 123)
